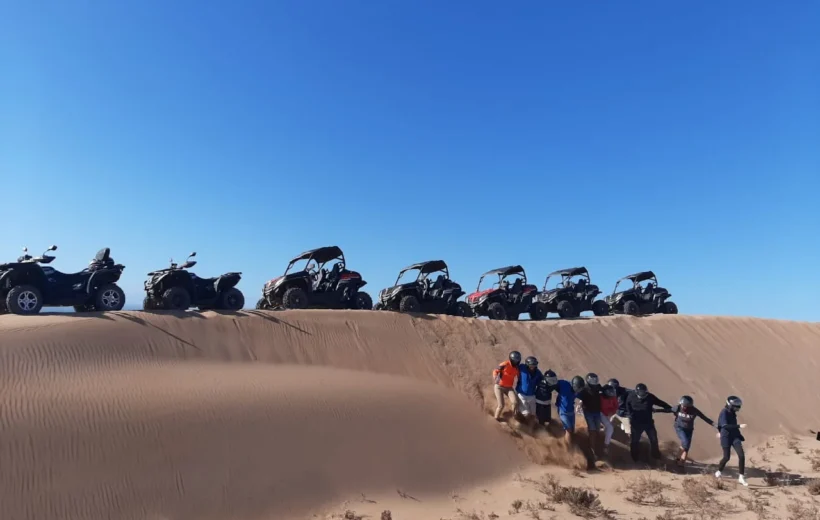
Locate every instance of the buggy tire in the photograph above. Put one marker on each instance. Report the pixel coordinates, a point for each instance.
(149, 304)
(538, 311)
(83, 308)
(176, 299)
(295, 298)
(409, 303)
(463, 310)
(600, 308)
(496, 311)
(670, 308)
(565, 309)
(363, 301)
(232, 300)
(631, 308)
(109, 297)
(378, 307)
(24, 299)
(262, 304)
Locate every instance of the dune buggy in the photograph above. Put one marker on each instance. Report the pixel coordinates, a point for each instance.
(29, 284)
(438, 296)
(313, 285)
(573, 294)
(176, 288)
(647, 299)
(505, 300)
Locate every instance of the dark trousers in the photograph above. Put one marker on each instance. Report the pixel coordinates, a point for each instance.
(543, 412)
(741, 457)
(651, 433)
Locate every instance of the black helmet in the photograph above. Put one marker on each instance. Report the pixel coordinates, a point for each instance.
(608, 390)
(551, 378)
(592, 379)
(734, 403)
(641, 390)
(531, 361)
(613, 383)
(515, 357)
(686, 401)
(578, 383)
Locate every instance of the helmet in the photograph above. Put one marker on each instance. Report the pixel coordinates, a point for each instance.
(592, 379)
(686, 401)
(641, 390)
(515, 357)
(734, 403)
(613, 383)
(551, 378)
(578, 383)
(608, 390)
(531, 361)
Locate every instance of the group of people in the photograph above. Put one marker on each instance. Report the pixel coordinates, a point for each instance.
(529, 392)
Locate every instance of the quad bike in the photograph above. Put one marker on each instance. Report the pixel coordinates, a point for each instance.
(179, 289)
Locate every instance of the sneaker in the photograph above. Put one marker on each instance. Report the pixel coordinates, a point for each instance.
(742, 481)
(717, 474)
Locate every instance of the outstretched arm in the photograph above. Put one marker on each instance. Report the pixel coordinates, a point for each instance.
(661, 404)
(705, 419)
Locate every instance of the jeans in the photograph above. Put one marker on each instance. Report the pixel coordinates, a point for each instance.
(741, 457)
(685, 437)
(593, 420)
(568, 420)
(635, 440)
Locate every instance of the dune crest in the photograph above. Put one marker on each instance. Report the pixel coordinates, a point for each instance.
(203, 415)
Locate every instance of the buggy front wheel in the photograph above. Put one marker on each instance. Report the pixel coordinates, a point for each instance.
(409, 303)
(600, 308)
(670, 308)
(364, 301)
(631, 308)
(463, 310)
(496, 311)
(538, 311)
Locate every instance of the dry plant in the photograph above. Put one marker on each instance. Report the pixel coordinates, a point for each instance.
(793, 445)
(387, 515)
(351, 515)
(799, 510)
(703, 501)
(492, 516)
(814, 459)
(647, 491)
(813, 486)
(669, 515)
(581, 502)
(516, 507)
(472, 515)
(756, 504)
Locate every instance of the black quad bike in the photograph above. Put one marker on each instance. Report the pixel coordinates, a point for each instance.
(649, 299)
(505, 300)
(424, 295)
(573, 294)
(29, 284)
(313, 285)
(175, 288)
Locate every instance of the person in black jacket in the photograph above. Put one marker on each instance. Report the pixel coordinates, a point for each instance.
(730, 437)
(621, 393)
(640, 405)
(543, 397)
(685, 415)
(590, 397)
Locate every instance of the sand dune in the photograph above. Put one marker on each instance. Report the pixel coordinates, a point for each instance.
(264, 414)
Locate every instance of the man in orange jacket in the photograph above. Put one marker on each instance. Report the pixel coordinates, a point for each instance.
(505, 378)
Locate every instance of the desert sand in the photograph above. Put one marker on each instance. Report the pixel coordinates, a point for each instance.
(316, 414)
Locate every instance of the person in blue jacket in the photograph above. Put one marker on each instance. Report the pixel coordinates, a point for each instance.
(730, 437)
(565, 403)
(527, 384)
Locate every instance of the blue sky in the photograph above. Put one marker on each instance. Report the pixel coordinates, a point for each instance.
(679, 137)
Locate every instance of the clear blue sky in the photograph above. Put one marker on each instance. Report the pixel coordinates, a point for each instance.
(682, 137)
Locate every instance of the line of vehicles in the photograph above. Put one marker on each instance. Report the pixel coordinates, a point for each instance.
(319, 278)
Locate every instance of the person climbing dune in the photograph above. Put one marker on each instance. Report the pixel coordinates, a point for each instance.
(505, 377)
(609, 407)
(621, 416)
(640, 405)
(565, 403)
(526, 388)
(590, 397)
(543, 397)
(685, 414)
(731, 437)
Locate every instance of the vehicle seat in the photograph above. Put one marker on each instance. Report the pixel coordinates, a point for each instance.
(333, 275)
(581, 286)
(517, 286)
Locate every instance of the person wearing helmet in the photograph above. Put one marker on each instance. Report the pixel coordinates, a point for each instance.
(526, 388)
(621, 416)
(730, 437)
(609, 407)
(505, 378)
(543, 396)
(565, 403)
(685, 415)
(590, 397)
(640, 405)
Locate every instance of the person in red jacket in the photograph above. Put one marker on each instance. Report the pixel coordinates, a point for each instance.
(609, 407)
(505, 378)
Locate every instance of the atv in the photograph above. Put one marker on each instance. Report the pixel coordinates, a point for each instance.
(505, 301)
(29, 284)
(315, 286)
(176, 288)
(569, 298)
(649, 299)
(423, 295)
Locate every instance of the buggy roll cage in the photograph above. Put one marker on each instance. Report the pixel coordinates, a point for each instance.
(502, 273)
(425, 269)
(566, 274)
(636, 279)
(319, 256)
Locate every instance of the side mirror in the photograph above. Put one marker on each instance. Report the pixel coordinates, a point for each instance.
(52, 248)
(192, 255)
(25, 250)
